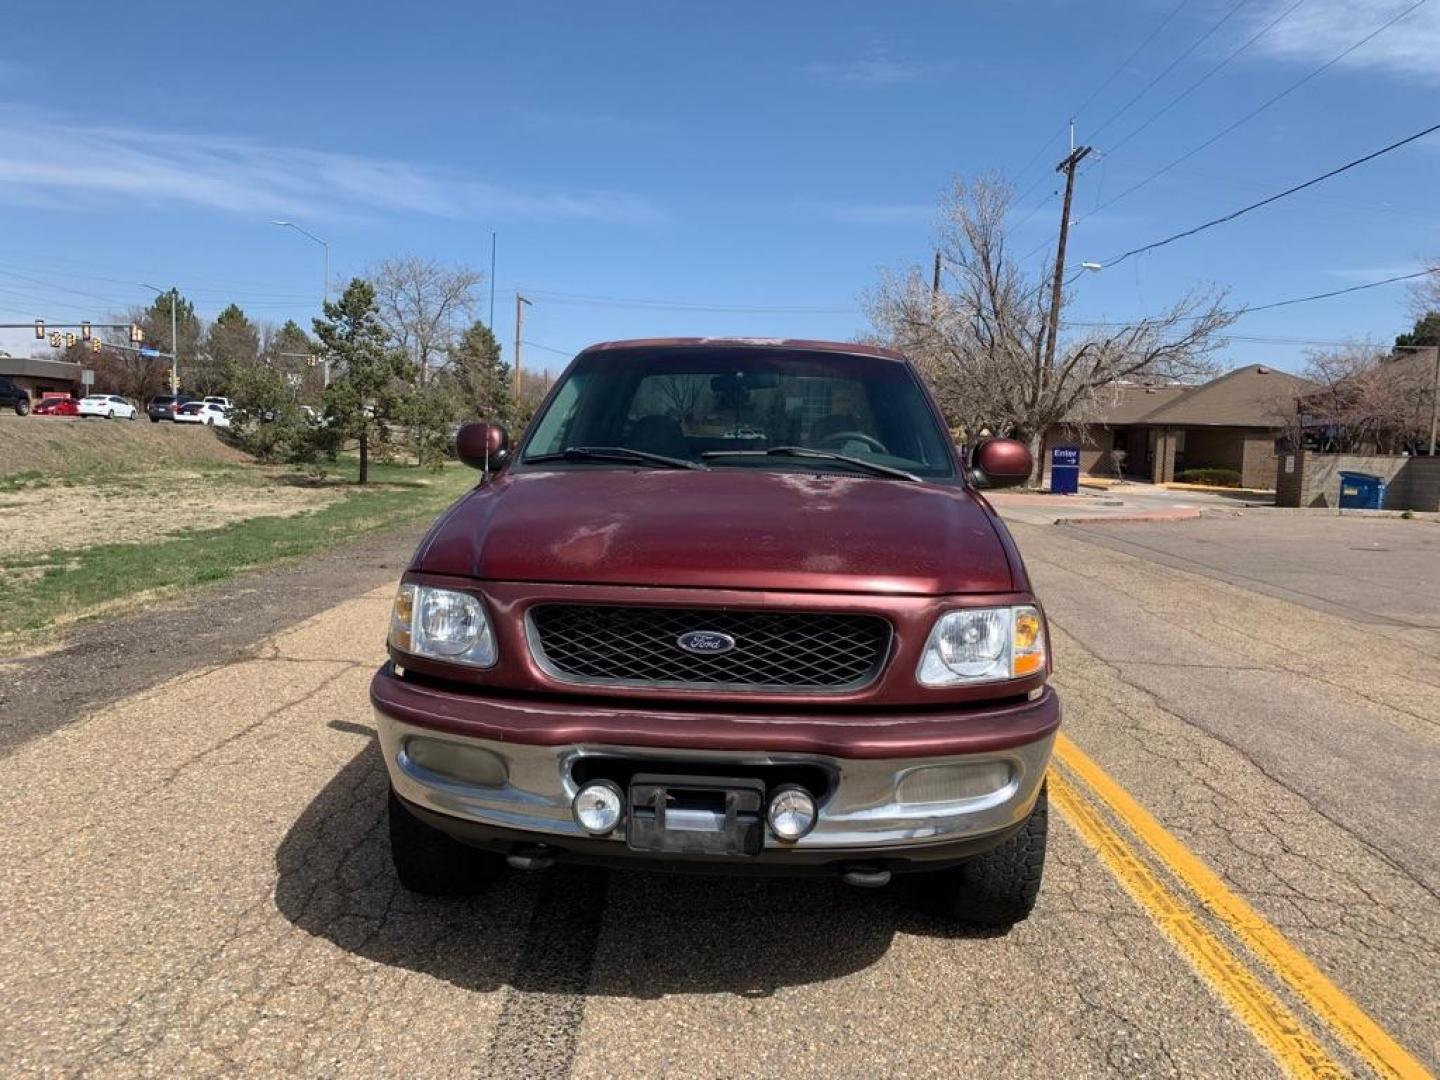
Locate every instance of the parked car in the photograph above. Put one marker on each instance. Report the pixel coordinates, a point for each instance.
(223, 402)
(14, 397)
(58, 406)
(634, 643)
(109, 406)
(202, 412)
(164, 406)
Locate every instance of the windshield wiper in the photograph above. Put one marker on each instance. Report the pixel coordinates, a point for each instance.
(873, 467)
(614, 453)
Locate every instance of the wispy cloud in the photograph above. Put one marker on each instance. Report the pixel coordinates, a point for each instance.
(873, 213)
(877, 68)
(1374, 273)
(230, 173)
(1320, 29)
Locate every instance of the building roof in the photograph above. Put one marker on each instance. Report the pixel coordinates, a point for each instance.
(1253, 396)
(1126, 403)
(36, 367)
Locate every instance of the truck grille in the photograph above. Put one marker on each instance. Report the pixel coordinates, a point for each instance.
(775, 651)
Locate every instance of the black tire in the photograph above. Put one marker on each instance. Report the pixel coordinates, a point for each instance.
(22, 407)
(110, 415)
(154, 419)
(998, 889)
(433, 864)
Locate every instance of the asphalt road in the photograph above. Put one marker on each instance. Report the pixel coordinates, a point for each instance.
(194, 873)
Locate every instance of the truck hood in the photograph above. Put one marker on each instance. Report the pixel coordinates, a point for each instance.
(723, 528)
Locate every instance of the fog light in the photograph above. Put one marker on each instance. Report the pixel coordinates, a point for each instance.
(791, 812)
(469, 764)
(953, 783)
(597, 807)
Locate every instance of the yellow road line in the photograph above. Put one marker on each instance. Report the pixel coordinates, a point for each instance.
(1260, 1010)
(1386, 1056)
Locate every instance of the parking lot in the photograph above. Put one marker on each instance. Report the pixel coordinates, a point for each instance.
(1242, 878)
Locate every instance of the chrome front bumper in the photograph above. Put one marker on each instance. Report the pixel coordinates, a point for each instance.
(862, 813)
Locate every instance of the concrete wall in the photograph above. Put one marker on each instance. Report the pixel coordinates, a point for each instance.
(1410, 483)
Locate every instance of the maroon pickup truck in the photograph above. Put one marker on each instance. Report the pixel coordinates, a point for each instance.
(731, 605)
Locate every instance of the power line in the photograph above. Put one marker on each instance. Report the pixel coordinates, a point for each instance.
(582, 299)
(549, 348)
(1273, 198)
(1208, 75)
(1261, 107)
(1104, 84)
(1252, 308)
(1168, 68)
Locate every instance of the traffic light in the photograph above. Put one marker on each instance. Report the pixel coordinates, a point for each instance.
(69, 340)
(55, 339)
(136, 334)
(94, 344)
(39, 329)
(85, 331)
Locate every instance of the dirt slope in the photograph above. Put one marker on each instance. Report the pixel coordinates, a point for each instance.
(59, 444)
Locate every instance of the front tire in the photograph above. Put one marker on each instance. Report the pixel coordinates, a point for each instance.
(110, 415)
(998, 889)
(22, 408)
(429, 862)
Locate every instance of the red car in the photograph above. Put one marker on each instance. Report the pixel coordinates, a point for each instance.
(57, 406)
(732, 606)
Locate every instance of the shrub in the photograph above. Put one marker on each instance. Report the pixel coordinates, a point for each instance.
(1209, 477)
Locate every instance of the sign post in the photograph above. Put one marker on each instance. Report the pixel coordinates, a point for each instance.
(1064, 470)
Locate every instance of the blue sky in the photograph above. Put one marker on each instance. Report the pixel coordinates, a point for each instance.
(739, 168)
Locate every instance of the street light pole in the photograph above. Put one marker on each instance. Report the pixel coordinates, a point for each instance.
(325, 291)
(174, 340)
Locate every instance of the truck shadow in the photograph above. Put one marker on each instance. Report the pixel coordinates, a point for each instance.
(578, 930)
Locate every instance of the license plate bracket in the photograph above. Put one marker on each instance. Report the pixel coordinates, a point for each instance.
(696, 815)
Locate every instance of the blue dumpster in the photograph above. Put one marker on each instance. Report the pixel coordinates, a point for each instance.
(1361, 491)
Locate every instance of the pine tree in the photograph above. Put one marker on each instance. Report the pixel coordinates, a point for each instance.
(483, 380)
(368, 374)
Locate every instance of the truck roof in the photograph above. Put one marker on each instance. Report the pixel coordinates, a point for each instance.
(851, 347)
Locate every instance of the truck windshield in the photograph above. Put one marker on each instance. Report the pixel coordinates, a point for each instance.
(724, 407)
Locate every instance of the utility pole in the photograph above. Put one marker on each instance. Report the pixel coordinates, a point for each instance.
(520, 304)
(935, 279)
(1077, 155)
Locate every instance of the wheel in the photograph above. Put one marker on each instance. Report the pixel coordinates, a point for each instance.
(110, 415)
(154, 419)
(998, 889)
(22, 407)
(210, 422)
(133, 415)
(433, 864)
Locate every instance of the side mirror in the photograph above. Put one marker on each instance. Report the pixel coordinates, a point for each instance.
(482, 446)
(1000, 463)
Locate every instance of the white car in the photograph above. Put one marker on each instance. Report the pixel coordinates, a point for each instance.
(203, 412)
(109, 406)
(224, 403)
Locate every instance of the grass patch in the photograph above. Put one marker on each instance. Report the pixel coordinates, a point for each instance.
(62, 585)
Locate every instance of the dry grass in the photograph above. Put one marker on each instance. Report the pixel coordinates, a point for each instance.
(62, 444)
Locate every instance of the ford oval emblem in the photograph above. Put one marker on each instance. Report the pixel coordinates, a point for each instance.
(705, 641)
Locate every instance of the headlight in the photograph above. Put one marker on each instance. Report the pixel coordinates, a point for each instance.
(983, 645)
(443, 624)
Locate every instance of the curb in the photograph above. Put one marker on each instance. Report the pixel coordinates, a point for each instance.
(1129, 519)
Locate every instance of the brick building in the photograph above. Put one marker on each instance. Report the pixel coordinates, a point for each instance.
(1154, 432)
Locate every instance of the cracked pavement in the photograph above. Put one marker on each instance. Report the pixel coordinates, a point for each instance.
(194, 876)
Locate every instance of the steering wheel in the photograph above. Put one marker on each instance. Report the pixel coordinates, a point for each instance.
(839, 438)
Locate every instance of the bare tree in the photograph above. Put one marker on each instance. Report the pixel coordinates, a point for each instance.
(681, 394)
(981, 340)
(425, 305)
(1366, 399)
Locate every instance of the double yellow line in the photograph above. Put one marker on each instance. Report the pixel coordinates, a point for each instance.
(1272, 1021)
